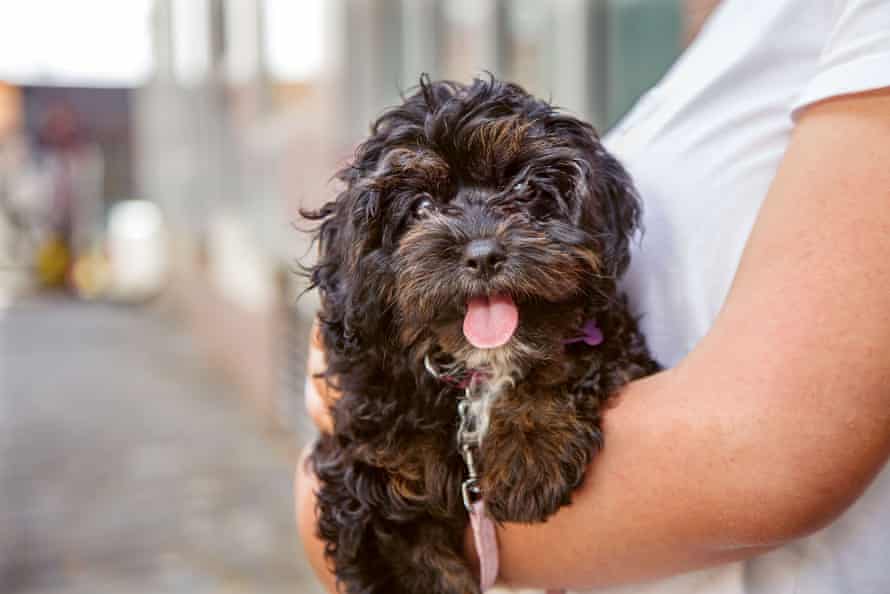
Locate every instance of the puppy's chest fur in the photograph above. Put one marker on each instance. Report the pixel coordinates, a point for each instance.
(501, 375)
(513, 403)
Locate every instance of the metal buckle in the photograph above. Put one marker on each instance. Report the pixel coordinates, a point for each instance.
(470, 492)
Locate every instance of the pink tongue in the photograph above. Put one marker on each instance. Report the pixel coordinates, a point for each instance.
(490, 321)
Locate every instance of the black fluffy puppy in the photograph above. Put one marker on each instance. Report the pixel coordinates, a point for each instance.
(484, 231)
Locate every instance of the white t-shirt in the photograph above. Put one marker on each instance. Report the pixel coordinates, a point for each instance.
(703, 147)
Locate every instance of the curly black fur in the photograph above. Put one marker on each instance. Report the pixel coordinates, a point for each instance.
(452, 164)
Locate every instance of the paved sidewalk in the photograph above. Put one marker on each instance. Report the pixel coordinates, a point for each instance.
(126, 467)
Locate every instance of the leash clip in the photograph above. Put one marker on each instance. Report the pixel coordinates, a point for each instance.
(467, 439)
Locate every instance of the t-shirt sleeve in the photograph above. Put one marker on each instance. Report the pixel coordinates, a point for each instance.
(856, 56)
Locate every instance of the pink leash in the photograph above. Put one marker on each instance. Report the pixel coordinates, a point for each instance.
(486, 541)
(486, 544)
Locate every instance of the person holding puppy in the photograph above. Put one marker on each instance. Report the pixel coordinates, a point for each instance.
(755, 462)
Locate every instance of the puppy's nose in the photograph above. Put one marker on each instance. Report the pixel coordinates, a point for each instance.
(484, 256)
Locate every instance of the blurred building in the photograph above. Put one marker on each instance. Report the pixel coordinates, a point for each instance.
(252, 105)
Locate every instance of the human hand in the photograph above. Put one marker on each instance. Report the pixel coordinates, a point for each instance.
(319, 395)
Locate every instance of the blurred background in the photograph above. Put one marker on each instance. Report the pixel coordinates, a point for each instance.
(153, 156)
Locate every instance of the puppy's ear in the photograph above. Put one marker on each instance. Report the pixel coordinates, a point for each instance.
(620, 211)
(350, 273)
(606, 205)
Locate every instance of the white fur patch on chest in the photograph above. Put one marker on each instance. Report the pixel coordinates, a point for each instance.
(483, 392)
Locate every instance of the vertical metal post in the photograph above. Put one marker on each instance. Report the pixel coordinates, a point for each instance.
(570, 65)
(598, 66)
(644, 39)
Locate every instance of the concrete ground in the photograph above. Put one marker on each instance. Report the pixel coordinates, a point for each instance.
(126, 465)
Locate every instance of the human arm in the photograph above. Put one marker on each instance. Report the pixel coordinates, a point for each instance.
(779, 418)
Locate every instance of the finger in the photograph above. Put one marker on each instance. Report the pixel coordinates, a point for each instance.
(317, 403)
(318, 394)
(305, 486)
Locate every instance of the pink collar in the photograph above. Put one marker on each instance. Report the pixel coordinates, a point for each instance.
(464, 379)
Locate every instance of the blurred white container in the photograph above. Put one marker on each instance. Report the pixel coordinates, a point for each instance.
(137, 250)
(239, 268)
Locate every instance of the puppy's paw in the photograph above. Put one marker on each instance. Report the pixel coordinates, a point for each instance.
(530, 473)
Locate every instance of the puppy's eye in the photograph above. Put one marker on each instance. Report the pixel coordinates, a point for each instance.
(423, 206)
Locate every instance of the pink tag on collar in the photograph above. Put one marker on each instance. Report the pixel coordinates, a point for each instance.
(591, 334)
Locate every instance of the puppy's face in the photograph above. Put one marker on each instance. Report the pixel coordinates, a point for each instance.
(497, 269)
(487, 224)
